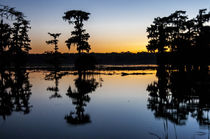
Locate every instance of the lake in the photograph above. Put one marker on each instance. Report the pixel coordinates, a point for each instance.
(108, 104)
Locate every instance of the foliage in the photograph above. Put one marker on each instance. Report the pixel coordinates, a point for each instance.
(54, 41)
(177, 33)
(78, 36)
(14, 31)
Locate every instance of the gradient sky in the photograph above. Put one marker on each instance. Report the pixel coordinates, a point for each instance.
(114, 25)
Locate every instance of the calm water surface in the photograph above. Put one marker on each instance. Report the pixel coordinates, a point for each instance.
(63, 105)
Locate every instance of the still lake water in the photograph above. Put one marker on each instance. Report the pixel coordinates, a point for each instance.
(62, 105)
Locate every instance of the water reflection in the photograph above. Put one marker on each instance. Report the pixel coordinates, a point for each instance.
(85, 84)
(181, 91)
(15, 92)
(55, 76)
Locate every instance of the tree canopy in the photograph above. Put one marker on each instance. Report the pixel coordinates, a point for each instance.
(54, 41)
(14, 31)
(79, 37)
(178, 33)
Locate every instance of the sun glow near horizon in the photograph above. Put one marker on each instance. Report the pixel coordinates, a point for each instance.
(103, 43)
(114, 26)
(38, 48)
(104, 37)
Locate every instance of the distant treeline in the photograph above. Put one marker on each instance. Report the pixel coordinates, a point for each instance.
(101, 58)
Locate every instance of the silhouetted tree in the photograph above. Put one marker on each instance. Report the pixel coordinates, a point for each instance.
(13, 34)
(158, 35)
(79, 37)
(54, 58)
(202, 40)
(4, 36)
(54, 41)
(20, 40)
(176, 30)
(183, 38)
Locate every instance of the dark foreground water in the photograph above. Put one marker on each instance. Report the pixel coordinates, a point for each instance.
(62, 105)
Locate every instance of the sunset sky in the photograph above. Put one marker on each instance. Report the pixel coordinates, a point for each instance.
(114, 25)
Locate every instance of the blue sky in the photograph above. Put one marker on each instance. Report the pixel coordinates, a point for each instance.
(114, 25)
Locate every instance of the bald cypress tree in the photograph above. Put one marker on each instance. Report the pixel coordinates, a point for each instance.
(54, 41)
(79, 37)
(15, 41)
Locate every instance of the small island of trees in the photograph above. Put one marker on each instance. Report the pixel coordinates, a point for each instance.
(179, 39)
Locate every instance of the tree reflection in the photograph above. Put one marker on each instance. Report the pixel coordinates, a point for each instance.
(15, 92)
(84, 84)
(55, 76)
(181, 91)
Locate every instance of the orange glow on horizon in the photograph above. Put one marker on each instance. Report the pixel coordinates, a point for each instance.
(97, 46)
(103, 48)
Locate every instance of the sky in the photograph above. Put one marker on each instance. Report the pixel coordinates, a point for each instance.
(114, 25)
